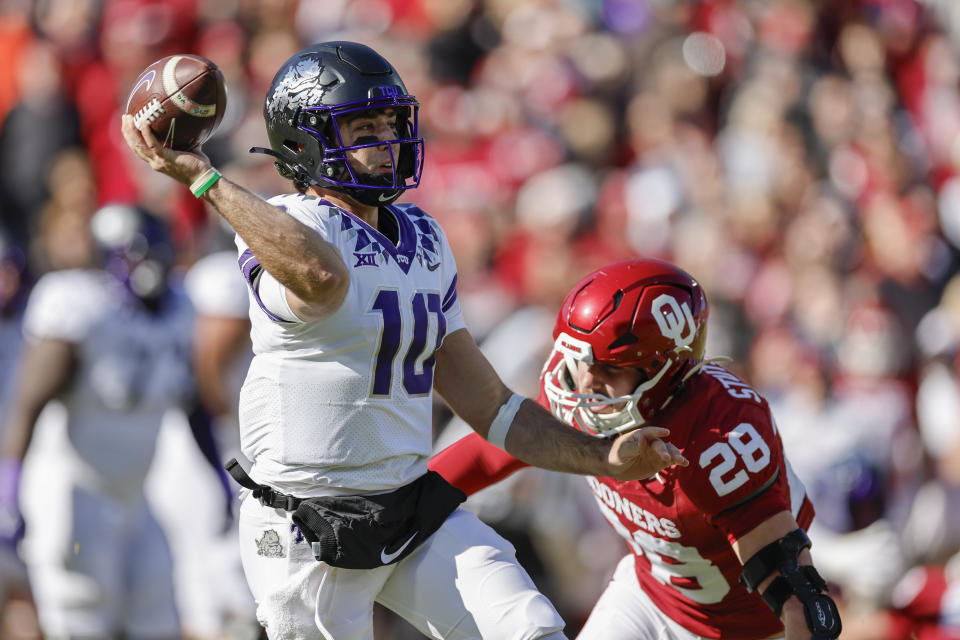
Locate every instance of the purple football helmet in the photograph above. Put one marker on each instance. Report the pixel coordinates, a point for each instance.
(136, 248)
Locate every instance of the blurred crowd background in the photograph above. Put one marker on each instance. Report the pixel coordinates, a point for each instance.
(798, 157)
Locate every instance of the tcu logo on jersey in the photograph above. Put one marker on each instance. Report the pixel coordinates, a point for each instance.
(674, 319)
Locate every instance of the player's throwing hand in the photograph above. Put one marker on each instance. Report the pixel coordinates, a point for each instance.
(183, 166)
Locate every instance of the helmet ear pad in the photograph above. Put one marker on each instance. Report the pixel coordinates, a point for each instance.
(301, 152)
(297, 152)
(316, 135)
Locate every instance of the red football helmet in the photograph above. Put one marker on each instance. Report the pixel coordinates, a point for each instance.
(645, 314)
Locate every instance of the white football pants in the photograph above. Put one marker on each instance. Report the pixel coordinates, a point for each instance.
(97, 566)
(463, 583)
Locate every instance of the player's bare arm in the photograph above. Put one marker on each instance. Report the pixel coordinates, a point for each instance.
(468, 383)
(310, 268)
(750, 545)
(46, 369)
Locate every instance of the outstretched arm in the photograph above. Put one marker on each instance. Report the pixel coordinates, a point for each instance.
(471, 464)
(467, 382)
(311, 269)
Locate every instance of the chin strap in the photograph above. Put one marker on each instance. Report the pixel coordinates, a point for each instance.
(822, 616)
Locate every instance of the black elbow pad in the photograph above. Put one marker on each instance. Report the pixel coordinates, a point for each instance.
(820, 611)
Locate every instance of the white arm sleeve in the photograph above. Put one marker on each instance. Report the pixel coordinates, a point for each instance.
(273, 295)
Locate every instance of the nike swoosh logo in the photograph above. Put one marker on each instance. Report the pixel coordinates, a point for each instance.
(387, 558)
(384, 197)
(148, 78)
(433, 267)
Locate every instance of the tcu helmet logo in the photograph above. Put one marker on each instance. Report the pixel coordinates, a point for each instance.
(674, 319)
(387, 91)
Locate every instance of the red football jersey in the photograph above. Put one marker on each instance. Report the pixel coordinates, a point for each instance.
(681, 523)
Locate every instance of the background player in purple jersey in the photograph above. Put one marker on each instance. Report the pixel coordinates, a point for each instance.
(106, 355)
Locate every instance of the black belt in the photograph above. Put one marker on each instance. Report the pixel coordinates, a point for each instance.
(267, 496)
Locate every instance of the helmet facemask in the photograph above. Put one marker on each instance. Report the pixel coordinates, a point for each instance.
(584, 409)
(334, 170)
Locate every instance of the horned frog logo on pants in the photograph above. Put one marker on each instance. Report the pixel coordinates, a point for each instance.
(269, 545)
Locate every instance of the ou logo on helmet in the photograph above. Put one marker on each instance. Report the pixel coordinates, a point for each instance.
(674, 319)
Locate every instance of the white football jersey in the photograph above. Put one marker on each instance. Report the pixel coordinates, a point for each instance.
(344, 404)
(133, 366)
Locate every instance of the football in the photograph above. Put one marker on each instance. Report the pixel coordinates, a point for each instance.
(182, 97)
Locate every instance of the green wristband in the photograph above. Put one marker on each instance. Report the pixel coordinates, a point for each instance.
(204, 182)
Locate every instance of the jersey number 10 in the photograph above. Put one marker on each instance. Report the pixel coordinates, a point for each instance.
(422, 305)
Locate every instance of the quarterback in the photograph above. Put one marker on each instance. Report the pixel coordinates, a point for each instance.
(355, 323)
(707, 540)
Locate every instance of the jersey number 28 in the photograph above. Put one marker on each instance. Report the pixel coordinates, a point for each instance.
(753, 451)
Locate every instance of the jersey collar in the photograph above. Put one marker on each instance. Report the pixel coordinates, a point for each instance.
(404, 252)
